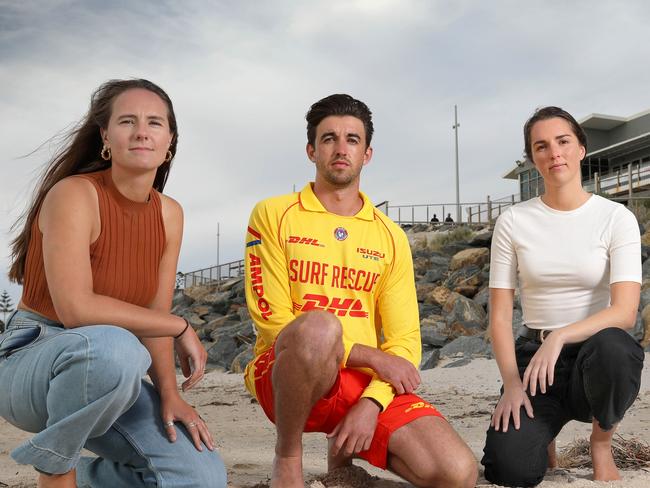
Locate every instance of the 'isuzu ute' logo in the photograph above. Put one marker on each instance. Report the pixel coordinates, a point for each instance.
(340, 234)
(337, 306)
(370, 254)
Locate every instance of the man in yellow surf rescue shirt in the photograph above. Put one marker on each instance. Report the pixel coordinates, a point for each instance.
(330, 287)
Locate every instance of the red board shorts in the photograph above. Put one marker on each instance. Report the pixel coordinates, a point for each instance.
(332, 408)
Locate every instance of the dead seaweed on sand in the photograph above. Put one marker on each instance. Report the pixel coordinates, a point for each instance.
(629, 453)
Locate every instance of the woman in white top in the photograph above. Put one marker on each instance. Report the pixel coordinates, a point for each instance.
(576, 260)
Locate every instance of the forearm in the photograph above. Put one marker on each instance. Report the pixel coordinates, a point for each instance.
(163, 370)
(612, 316)
(504, 352)
(362, 356)
(393, 374)
(99, 309)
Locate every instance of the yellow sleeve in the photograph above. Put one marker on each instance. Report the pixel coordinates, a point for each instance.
(267, 283)
(397, 311)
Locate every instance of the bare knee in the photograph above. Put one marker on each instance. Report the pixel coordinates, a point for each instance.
(431, 454)
(459, 470)
(313, 336)
(463, 472)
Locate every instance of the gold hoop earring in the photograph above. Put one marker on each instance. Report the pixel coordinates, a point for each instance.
(106, 153)
(169, 157)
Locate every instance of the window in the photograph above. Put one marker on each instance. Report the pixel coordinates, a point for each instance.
(531, 184)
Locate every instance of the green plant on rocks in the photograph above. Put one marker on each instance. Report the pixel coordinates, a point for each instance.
(457, 234)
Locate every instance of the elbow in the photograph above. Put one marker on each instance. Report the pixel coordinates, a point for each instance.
(627, 319)
(630, 320)
(71, 312)
(70, 318)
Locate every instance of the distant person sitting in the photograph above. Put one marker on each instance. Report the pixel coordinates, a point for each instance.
(434, 219)
(449, 219)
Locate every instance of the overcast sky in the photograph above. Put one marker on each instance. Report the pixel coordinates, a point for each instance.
(242, 75)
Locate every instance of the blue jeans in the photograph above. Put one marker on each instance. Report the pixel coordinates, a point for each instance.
(82, 388)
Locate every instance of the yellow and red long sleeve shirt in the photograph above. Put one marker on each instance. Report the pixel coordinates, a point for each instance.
(300, 257)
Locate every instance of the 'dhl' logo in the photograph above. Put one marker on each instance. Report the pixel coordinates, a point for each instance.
(337, 306)
(310, 241)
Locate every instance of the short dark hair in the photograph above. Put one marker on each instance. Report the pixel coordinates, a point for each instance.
(340, 105)
(545, 113)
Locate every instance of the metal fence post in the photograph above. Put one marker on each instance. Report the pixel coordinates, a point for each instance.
(489, 210)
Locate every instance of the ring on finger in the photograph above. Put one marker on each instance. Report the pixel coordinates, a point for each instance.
(169, 423)
(191, 424)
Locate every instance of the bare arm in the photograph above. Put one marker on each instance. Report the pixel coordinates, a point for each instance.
(161, 349)
(514, 395)
(163, 372)
(501, 305)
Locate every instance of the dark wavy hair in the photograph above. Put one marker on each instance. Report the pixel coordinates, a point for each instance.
(80, 153)
(545, 113)
(340, 105)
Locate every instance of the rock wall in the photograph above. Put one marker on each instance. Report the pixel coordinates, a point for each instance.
(452, 270)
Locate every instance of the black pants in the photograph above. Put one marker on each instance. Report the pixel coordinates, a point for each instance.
(598, 378)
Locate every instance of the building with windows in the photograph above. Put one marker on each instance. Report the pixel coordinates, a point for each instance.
(617, 161)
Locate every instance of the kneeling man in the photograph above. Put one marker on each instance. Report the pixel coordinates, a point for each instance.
(329, 284)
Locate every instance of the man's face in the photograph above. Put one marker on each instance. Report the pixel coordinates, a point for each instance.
(340, 150)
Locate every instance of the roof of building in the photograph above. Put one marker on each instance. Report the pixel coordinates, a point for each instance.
(607, 122)
(638, 142)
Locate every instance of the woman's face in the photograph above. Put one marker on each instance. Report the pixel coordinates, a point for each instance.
(138, 131)
(556, 152)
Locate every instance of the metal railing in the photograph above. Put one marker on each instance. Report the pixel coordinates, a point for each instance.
(488, 211)
(475, 212)
(419, 213)
(213, 274)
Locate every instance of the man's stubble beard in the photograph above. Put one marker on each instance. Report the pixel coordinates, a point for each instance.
(341, 180)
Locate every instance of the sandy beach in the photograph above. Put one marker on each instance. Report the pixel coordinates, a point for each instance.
(465, 395)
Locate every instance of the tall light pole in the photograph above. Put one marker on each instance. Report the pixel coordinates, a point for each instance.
(455, 127)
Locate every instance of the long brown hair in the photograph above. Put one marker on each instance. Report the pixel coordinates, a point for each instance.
(80, 153)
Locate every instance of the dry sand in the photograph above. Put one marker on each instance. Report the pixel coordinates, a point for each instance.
(465, 395)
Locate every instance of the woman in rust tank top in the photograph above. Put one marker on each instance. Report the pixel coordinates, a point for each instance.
(97, 257)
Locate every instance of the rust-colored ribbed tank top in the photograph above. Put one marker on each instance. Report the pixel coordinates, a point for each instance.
(125, 257)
